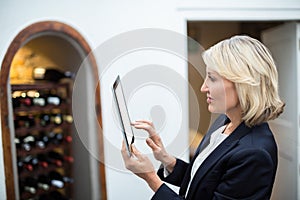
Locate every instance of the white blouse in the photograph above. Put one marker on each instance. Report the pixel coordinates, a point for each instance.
(216, 138)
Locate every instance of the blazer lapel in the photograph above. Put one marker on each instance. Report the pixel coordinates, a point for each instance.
(220, 121)
(217, 154)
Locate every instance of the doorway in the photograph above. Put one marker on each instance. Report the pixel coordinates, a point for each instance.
(57, 44)
(209, 33)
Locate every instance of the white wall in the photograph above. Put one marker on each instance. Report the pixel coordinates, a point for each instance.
(98, 22)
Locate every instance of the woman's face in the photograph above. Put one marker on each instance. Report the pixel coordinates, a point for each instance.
(221, 93)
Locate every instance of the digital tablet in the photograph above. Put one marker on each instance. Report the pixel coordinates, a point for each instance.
(123, 114)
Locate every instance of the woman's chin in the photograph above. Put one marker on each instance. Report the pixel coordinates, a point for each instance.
(213, 109)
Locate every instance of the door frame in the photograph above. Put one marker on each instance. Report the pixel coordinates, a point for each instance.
(25, 35)
(255, 11)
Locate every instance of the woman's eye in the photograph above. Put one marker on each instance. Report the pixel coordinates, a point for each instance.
(211, 78)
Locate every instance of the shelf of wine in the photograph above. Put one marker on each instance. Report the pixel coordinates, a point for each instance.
(43, 123)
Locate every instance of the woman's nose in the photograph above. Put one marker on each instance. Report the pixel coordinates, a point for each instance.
(204, 87)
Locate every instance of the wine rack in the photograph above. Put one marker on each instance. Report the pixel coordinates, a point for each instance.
(43, 139)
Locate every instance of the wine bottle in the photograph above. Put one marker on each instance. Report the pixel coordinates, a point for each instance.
(34, 162)
(39, 100)
(45, 119)
(57, 119)
(53, 100)
(45, 158)
(51, 74)
(28, 160)
(56, 137)
(30, 185)
(68, 138)
(21, 98)
(43, 182)
(36, 98)
(21, 121)
(23, 187)
(58, 180)
(68, 118)
(59, 157)
(30, 139)
(42, 140)
(27, 142)
(30, 122)
(25, 99)
(22, 165)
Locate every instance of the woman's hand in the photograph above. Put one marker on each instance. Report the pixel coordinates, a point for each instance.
(141, 165)
(155, 143)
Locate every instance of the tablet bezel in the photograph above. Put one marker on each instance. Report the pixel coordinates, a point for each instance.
(117, 83)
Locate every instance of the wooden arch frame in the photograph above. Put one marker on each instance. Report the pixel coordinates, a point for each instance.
(28, 33)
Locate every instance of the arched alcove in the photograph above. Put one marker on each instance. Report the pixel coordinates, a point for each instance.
(67, 40)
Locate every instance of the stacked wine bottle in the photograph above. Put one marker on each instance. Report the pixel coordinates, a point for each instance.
(43, 140)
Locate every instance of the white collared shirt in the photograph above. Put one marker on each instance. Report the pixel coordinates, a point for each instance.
(216, 138)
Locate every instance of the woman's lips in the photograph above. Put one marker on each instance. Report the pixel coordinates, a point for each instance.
(209, 99)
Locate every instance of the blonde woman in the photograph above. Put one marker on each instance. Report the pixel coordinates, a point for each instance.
(237, 158)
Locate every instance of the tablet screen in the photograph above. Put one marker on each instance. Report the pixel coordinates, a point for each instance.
(123, 114)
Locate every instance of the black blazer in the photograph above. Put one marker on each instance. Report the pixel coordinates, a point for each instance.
(243, 166)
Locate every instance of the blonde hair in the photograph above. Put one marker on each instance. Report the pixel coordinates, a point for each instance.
(249, 65)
